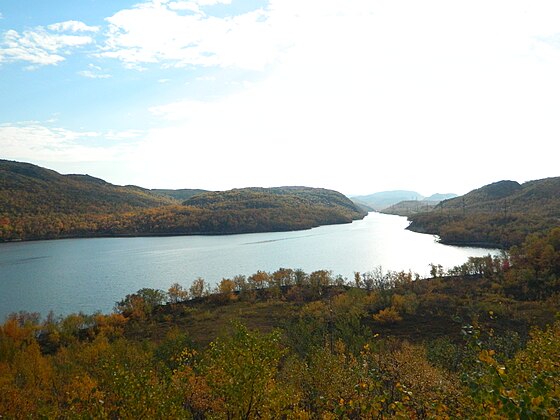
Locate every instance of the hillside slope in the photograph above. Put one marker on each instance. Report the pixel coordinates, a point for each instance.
(37, 203)
(409, 207)
(273, 209)
(181, 194)
(29, 189)
(271, 197)
(498, 214)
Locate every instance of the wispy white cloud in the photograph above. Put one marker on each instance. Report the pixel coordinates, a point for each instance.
(72, 26)
(89, 74)
(27, 47)
(38, 141)
(123, 135)
(180, 34)
(39, 46)
(184, 6)
(94, 72)
(208, 2)
(194, 5)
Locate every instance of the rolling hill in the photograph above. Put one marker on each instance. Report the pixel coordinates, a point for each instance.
(254, 198)
(27, 189)
(38, 203)
(499, 214)
(409, 207)
(181, 195)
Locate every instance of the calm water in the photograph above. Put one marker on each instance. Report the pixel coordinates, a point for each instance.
(92, 274)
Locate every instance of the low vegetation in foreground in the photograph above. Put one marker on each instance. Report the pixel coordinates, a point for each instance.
(476, 341)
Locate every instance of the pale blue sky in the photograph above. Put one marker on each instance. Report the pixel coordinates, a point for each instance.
(355, 95)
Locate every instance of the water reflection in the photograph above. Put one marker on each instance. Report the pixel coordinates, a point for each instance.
(91, 274)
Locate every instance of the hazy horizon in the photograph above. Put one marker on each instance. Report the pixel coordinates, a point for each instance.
(348, 194)
(356, 96)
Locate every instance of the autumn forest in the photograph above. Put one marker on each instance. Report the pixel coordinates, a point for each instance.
(37, 203)
(479, 340)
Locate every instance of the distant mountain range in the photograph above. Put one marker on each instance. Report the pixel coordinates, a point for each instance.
(410, 207)
(382, 200)
(38, 203)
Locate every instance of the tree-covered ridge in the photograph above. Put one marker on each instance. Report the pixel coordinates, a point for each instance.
(539, 196)
(295, 345)
(409, 207)
(27, 189)
(37, 203)
(500, 214)
(261, 198)
(180, 195)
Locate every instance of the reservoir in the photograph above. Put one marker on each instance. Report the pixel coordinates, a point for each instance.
(90, 275)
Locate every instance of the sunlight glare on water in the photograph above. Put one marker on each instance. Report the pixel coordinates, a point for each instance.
(89, 275)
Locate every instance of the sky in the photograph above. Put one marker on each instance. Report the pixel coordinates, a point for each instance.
(359, 96)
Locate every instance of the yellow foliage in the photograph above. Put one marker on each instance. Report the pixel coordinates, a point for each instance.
(388, 315)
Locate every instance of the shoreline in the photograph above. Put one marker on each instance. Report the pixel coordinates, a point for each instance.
(462, 244)
(171, 234)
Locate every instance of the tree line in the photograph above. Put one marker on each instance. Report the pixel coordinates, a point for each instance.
(168, 220)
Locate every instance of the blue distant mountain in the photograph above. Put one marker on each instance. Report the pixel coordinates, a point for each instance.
(440, 197)
(385, 199)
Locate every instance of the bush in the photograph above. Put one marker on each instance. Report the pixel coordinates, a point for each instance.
(387, 316)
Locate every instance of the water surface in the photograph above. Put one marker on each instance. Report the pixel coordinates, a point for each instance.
(88, 275)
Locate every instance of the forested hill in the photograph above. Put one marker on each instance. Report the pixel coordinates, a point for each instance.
(409, 207)
(502, 213)
(273, 209)
(27, 189)
(37, 203)
(260, 198)
(182, 194)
